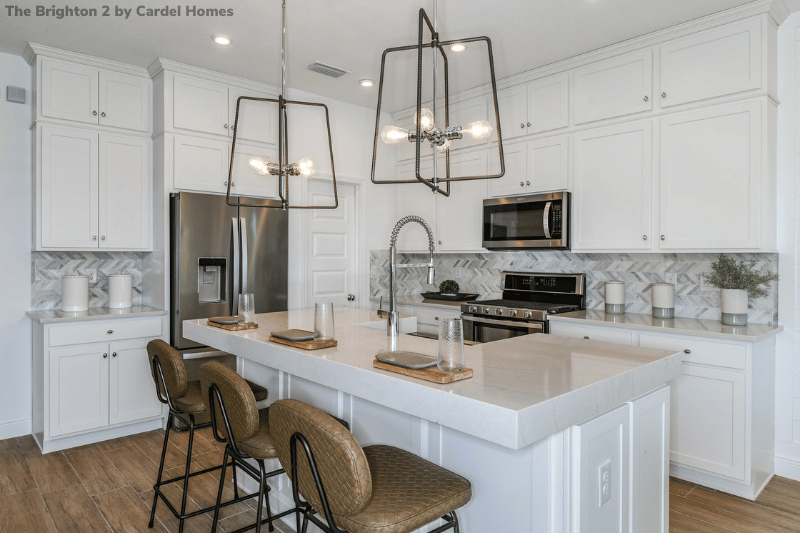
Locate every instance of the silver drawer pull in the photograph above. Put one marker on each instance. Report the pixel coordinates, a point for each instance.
(646, 98)
(113, 354)
(586, 337)
(105, 356)
(687, 351)
(110, 331)
(103, 114)
(436, 318)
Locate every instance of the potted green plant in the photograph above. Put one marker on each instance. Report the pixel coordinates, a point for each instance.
(738, 281)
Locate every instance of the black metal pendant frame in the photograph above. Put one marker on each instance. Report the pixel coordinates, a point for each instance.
(433, 183)
(283, 156)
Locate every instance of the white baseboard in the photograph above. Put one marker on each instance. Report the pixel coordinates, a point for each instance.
(15, 428)
(788, 468)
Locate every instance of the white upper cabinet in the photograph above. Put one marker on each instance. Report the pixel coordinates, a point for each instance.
(712, 63)
(513, 107)
(201, 164)
(200, 105)
(612, 188)
(540, 165)
(459, 225)
(615, 87)
(710, 186)
(258, 121)
(513, 181)
(462, 114)
(80, 93)
(538, 106)
(416, 199)
(248, 182)
(124, 101)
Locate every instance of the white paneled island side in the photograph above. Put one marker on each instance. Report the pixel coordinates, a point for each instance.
(532, 430)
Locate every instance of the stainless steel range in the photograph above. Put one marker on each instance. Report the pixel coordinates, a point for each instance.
(528, 299)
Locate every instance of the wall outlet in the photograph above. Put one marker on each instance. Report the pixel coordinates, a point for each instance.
(603, 483)
(672, 277)
(457, 272)
(92, 273)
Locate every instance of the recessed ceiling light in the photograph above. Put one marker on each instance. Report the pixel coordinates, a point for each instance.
(366, 83)
(458, 47)
(221, 39)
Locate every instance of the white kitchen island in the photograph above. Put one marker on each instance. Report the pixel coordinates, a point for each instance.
(535, 430)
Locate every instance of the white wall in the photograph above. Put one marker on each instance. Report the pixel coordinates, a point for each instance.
(15, 242)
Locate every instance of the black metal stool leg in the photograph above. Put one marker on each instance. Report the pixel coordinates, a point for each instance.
(235, 483)
(266, 493)
(160, 471)
(219, 492)
(186, 478)
(260, 507)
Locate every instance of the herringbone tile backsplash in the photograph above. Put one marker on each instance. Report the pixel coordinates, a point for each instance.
(48, 268)
(480, 273)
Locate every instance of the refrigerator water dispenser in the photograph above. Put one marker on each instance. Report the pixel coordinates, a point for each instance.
(211, 279)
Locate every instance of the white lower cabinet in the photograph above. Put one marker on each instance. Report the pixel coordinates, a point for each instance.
(90, 392)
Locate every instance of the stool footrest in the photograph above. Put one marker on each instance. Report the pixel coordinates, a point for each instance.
(264, 521)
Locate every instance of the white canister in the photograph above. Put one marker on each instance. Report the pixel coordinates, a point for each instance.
(663, 300)
(120, 290)
(615, 297)
(75, 292)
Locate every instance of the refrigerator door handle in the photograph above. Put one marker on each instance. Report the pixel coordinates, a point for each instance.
(236, 247)
(243, 231)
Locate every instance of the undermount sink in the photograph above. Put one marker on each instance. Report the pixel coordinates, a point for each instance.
(406, 324)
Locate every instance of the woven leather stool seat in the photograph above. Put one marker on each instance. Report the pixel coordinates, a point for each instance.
(260, 445)
(192, 401)
(407, 493)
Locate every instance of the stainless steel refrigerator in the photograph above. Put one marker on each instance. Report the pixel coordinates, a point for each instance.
(219, 252)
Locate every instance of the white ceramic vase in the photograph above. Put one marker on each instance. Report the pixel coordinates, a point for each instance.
(734, 306)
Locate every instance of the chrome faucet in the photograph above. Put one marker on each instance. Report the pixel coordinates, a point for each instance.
(393, 315)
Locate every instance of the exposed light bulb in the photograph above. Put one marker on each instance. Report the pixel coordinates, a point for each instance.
(458, 47)
(259, 165)
(306, 167)
(426, 119)
(393, 134)
(444, 146)
(480, 129)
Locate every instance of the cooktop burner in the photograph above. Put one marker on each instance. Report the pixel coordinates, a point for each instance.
(536, 306)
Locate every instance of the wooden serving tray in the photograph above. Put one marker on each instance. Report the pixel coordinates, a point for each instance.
(428, 374)
(305, 345)
(233, 327)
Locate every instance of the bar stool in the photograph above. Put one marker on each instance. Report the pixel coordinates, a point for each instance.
(375, 489)
(184, 400)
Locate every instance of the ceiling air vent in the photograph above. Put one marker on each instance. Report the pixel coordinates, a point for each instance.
(327, 70)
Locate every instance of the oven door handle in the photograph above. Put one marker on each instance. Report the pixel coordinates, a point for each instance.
(546, 220)
(536, 326)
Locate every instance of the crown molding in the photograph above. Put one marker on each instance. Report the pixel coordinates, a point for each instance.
(779, 12)
(160, 65)
(33, 50)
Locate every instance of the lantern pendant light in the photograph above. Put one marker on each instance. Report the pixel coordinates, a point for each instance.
(427, 132)
(303, 168)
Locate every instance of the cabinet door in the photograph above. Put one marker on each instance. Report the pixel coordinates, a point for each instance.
(513, 181)
(548, 164)
(124, 101)
(612, 187)
(463, 114)
(201, 164)
(78, 388)
(132, 393)
(258, 121)
(200, 105)
(415, 199)
(615, 87)
(710, 181)
(69, 91)
(248, 182)
(69, 193)
(513, 104)
(548, 103)
(124, 187)
(650, 462)
(460, 225)
(708, 419)
(712, 63)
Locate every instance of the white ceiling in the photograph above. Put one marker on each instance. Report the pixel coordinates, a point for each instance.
(352, 34)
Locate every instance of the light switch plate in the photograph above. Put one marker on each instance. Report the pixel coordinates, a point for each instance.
(603, 483)
(92, 273)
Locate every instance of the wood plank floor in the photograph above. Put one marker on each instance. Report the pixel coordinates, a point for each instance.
(108, 487)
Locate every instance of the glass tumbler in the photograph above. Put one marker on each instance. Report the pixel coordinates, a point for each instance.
(247, 308)
(323, 322)
(451, 345)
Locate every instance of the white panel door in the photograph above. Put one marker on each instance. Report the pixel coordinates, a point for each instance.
(201, 164)
(615, 87)
(200, 105)
(415, 199)
(513, 104)
(513, 181)
(612, 188)
(711, 178)
(124, 191)
(712, 63)
(463, 114)
(548, 164)
(459, 225)
(124, 101)
(132, 393)
(332, 243)
(548, 103)
(708, 419)
(78, 388)
(69, 91)
(69, 188)
(650, 462)
(258, 121)
(248, 182)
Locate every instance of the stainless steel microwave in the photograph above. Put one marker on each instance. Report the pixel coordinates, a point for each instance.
(527, 222)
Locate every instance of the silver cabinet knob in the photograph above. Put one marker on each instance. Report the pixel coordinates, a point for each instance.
(225, 184)
(646, 98)
(529, 124)
(351, 297)
(103, 238)
(113, 354)
(521, 183)
(522, 125)
(94, 113)
(110, 331)
(94, 237)
(440, 242)
(663, 238)
(687, 351)
(103, 114)
(663, 95)
(644, 237)
(436, 318)
(586, 337)
(233, 184)
(225, 126)
(527, 183)
(105, 356)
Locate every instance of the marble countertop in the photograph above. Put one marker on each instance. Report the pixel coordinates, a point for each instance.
(523, 389)
(410, 299)
(48, 316)
(679, 325)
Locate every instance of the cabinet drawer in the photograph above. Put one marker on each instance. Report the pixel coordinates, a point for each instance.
(595, 334)
(433, 317)
(104, 331)
(702, 352)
